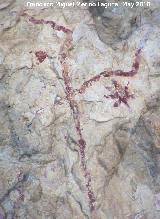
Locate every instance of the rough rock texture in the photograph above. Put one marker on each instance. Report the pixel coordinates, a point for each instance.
(79, 119)
(116, 24)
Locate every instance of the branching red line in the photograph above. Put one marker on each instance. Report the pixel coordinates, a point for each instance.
(70, 93)
(131, 73)
(63, 55)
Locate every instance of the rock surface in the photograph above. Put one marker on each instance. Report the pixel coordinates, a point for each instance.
(79, 119)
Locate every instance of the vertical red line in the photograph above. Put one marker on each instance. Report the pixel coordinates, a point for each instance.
(76, 116)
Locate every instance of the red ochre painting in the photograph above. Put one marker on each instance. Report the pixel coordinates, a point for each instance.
(80, 111)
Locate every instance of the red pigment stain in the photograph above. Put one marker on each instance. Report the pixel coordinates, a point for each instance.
(76, 116)
(70, 98)
(52, 24)
(41, 55)
(70, 94)
(131, 73)
(120, 94)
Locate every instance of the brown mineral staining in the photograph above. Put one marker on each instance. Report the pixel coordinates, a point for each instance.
(41, 55)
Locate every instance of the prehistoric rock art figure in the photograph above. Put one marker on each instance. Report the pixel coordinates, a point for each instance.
(63, 55)
(71, 92)
(109, 73)
(41, 55)
(120, 94)
(76, 114)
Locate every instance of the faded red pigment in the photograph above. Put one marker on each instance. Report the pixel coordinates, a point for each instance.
(120, 94)
(72, 103)
(70, 94)
(131, 73)
(76, 115)
(41, 55)
(52, 24)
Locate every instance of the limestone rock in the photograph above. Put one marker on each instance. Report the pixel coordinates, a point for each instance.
(79, 118)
